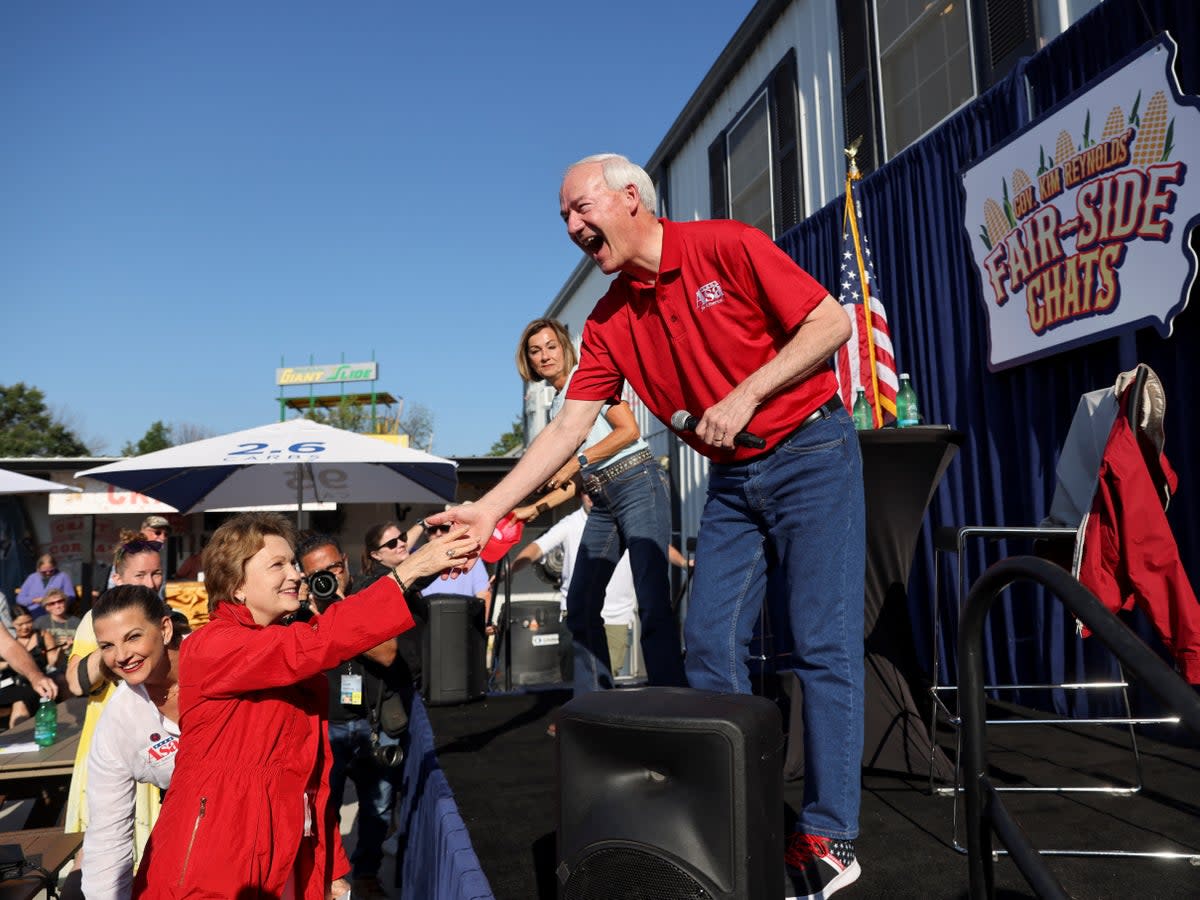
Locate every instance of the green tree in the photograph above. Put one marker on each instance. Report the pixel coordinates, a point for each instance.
(510, 440)
(157, 437)
(27, 427)
(346, 415)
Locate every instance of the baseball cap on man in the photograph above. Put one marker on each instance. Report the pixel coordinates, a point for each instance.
(156, 522)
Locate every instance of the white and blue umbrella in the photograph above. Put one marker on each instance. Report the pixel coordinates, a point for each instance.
(16, 483)
(297, 461)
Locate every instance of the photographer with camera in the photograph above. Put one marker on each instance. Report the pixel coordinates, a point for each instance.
(363, 751)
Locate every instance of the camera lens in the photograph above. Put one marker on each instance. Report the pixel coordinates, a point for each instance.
(322, 586)
(389, 755)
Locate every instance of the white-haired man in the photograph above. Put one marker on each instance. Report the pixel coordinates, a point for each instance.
(714, 319)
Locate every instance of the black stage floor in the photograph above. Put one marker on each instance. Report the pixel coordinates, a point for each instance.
(502, 768)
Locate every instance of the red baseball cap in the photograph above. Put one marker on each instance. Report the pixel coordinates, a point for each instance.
(506, 533)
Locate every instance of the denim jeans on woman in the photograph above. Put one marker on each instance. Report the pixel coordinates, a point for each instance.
(798, 511)
(632, 512)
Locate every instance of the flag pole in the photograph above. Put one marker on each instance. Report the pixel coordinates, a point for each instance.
(853, 175)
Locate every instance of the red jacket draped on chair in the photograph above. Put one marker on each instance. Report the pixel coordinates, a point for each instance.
(1130, 557)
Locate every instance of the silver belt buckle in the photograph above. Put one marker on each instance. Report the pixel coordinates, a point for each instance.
(591, 484)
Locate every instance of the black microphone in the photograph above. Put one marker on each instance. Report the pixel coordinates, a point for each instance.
(685, 421)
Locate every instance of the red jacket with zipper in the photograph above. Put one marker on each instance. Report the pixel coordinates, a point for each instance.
(249, 801)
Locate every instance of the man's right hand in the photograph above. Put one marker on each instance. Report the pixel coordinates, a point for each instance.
(45, 686)
(476, 517)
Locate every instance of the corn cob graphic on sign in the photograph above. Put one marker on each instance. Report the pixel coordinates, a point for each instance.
(1096, 240)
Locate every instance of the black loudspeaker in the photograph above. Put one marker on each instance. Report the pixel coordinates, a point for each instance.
(535, 639)
(670, 793)
(454, 650)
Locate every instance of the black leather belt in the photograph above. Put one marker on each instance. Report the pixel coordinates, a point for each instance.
(596, 480)
(826, 409)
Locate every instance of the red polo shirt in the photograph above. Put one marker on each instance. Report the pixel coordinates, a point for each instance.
(725, 301)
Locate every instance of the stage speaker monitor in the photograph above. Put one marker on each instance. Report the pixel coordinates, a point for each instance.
(535, 639)
(454, 650)
(670, 793)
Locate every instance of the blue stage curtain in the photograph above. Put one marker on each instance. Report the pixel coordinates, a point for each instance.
(1015, 420)
(437, 860)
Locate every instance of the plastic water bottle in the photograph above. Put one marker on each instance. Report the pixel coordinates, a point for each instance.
(864, 418)
(907, 411)
(45, 723)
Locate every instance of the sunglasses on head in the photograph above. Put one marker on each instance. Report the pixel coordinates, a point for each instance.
(390, 545)
(134, 547)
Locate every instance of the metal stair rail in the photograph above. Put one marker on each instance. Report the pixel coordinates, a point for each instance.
(985, 811)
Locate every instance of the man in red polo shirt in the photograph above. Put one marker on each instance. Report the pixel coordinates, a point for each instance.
(714, 319)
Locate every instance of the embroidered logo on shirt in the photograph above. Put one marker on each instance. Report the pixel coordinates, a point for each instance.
(709, 295)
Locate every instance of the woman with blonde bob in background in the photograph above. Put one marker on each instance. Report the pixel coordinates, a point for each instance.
(247, 814)
(630, 511)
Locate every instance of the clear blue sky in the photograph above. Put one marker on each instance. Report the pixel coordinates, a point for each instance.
(193, 191)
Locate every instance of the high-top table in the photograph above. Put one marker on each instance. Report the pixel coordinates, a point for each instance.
(902, 467)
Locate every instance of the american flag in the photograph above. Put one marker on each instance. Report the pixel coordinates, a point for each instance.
(854, 357)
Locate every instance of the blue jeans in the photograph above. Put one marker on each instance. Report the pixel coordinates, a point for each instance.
(797, 512)
(632, 512)
(351, 743)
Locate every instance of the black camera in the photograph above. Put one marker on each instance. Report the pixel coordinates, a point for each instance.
(322, 586)
(370, 758)
(387, 756)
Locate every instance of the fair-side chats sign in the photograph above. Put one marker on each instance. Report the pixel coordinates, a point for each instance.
(1096, 240)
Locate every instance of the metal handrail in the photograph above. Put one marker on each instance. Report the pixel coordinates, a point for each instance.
(984, 810)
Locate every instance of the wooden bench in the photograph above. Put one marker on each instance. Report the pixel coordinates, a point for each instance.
(45, 850)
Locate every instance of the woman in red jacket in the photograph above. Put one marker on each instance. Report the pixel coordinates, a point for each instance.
(247, 813)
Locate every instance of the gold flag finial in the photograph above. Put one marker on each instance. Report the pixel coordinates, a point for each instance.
(852, 153)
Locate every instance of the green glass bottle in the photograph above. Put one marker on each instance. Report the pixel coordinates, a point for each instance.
(908, 413)
(45, 723)
(864, 418)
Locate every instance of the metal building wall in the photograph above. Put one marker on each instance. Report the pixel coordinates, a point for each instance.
(810, 28)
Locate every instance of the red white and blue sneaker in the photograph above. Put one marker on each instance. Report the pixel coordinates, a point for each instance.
(818, 867)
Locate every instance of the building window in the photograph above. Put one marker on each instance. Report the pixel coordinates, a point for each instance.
(925, 65)
(908, 64)
(754, 164)
(748, 149)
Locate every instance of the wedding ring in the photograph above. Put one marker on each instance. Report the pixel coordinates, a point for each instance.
(450, 553)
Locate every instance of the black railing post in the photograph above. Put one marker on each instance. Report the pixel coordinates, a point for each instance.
(1139, 659)
(505, 572)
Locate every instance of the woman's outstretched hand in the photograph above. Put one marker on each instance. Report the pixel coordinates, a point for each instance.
(479, 522)
(456, 549)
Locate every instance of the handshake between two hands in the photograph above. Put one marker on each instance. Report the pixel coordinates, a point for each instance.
(490, 544)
